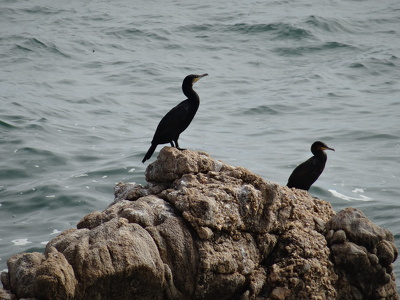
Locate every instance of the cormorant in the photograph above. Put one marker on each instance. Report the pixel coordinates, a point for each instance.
(178, 118)
(305, 174)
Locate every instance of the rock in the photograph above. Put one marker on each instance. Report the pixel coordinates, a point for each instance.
(55, 277)
(22, 281)
(172, 163)
(204, 230)
(6, 295)
(363, 254)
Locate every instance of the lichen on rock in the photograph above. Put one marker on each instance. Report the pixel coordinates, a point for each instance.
(201, 229)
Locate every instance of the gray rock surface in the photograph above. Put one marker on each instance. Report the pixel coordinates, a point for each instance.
(202, 229)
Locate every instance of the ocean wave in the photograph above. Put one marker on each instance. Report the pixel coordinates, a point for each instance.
(280, 30)
(376, 64)
(322, 47)
(10, 173)
(38, 46)
(369, 136)
(135, 33)
(333, 25)
(38, 158)
(349, 198)
(41, 10)
(267, 110)
(6, 125)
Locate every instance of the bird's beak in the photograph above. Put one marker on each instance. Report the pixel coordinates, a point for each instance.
(327, 148)
(199, 77)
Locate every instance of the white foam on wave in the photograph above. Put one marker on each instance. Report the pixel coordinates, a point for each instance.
(80, 175)
(349, 198)
(20, 242)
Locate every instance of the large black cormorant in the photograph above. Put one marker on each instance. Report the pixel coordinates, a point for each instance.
(178, 118)
(305, 174)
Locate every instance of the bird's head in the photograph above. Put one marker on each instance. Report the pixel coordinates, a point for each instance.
(193, 78)
(320, 146)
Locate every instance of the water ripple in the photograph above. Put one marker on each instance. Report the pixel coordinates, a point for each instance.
(333, 25)
(302, 50)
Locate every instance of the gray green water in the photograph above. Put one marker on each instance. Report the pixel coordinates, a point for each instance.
(83, 85)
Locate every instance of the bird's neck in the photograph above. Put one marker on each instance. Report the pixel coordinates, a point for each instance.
(321, 155)
(190, 93)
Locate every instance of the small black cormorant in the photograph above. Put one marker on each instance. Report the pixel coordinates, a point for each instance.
(178, 118)
(305, 174)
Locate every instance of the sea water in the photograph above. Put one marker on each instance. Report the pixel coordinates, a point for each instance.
(83, 85)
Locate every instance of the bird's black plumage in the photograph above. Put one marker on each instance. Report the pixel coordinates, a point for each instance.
(305, 174)
(178, 118)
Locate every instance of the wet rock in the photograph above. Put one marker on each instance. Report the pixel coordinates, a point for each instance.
(204, 230)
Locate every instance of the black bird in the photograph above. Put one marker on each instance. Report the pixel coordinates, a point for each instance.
(305, 174)
(178, 118)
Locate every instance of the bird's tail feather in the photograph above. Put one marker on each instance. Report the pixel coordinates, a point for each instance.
(149, 152)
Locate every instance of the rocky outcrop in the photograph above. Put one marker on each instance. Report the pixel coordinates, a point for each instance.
(363, 254)
(204, 230)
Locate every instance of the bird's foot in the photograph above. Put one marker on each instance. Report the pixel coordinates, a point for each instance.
(181, 148)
